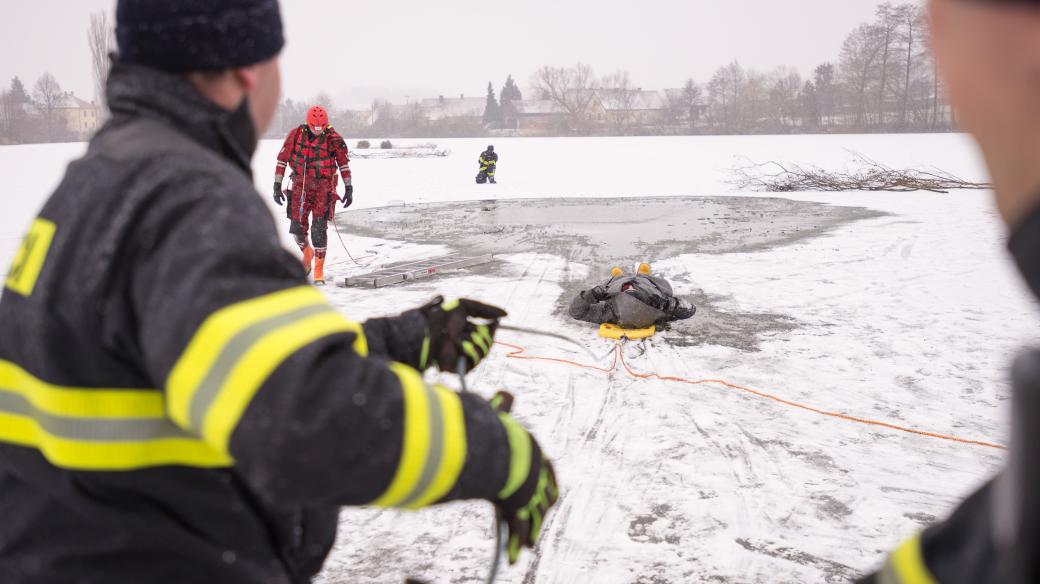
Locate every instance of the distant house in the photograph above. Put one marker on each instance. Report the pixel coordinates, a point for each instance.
(535, 116)
(629, 107)
(460, 108)
(81, 117)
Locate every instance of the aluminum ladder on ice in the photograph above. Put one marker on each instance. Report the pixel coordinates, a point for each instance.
(408, 271)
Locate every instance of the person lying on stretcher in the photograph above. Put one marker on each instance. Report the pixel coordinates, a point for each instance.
(631, 302)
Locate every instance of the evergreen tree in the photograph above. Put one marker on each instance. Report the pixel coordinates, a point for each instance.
(492, 112)
(510, 92)
(18, 93)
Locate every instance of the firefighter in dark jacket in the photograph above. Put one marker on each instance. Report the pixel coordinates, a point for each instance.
(314, 152)
(488, 162)
(633, 302)
(176, 403)
(989, 55)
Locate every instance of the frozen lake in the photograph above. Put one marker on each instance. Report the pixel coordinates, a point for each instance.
(899, 308)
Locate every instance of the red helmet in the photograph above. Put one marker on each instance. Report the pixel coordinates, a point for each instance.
(317, 116)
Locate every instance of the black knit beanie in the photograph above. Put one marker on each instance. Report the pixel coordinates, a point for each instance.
(180, 36)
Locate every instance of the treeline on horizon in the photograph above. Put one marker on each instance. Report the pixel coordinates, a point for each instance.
(883, 80)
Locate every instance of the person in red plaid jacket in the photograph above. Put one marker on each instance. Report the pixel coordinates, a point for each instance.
(313, 152)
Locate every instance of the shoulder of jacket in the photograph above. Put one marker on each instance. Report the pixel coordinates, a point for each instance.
(335, 136)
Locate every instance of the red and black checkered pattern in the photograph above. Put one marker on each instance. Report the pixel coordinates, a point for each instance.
(314, 156)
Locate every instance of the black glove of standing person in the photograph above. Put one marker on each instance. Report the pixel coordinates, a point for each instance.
(450, 333)
(279, 196)
(531, 488)
(599, 293)
(348, 196)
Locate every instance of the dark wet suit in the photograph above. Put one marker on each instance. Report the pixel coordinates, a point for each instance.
(631, 302)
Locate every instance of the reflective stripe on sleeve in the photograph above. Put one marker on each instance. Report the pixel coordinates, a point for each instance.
(434, 445)
(235, 351)
(907, 565)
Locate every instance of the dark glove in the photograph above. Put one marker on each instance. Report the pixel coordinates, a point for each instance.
(599, 293)
(531, 488)
(279, 197)
(450, 333)
(681, 310)
(348, 196)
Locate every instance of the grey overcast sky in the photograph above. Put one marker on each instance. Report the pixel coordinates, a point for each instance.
(355, 51)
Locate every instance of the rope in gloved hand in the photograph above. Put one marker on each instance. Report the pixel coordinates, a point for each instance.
(518, 352)
(500, 527)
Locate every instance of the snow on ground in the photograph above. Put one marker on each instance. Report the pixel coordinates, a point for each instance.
(909, 316)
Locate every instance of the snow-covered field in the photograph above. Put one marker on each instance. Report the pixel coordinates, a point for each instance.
(908, 317)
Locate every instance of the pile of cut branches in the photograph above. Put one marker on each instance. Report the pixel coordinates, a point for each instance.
(867, 175)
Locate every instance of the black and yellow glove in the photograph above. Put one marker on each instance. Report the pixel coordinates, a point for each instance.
(531, 488)
(451, 333)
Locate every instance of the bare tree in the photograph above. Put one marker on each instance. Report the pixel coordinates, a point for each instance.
(859, 63)
(6, 117)
(886, 28)
(785, 97)
(47, 95)
(571, 88)
(725, 97)
(912, 20)
(819, 101)
(691, 101)
(755, 101)
(618, 98)
(100, 40)
(682, 106)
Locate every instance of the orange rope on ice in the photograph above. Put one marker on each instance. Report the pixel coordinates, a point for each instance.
(518, 353)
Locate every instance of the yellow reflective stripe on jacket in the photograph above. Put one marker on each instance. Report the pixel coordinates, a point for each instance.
(434, 446)
(907, 565)
(237, 348)
(95, 429)
(28, 262)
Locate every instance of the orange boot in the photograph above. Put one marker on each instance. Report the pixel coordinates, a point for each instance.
(319, 271)
(308, 255)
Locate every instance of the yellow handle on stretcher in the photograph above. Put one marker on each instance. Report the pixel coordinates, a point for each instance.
(613, 331)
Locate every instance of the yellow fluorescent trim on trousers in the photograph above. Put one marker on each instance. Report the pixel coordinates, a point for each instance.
(84, 403)
(220, 328)
(257, 365)
(433, 447)
(28, 262)
(108, 456)
(908, 563)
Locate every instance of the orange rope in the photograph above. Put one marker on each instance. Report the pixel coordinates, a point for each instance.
(518, 353)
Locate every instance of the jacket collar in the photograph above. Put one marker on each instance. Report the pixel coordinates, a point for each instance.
(137, 91)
